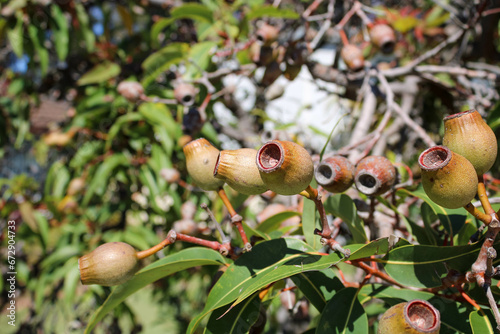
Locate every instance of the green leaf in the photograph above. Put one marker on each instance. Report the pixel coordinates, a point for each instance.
(37, 37)
(158, 26)
(87, 33)
(15, 34)
(238, 320)
(100, 180)
(200, 56)
(117, 125)
(422, 266)
(193, 11)
(342, 206)
(161, 60)
(268, 262)
(480, 323)
(343, 314)
(184, 259)
(451, 219)
(60, 30)
(375, 247)
(318, 286)
(271, 11)
(100, 73)
(272, 223)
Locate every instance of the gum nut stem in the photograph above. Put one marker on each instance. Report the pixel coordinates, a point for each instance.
(448, 178)
(201, 157)
(238, 169)
(285, 167)
(413, 317)
(110, 264)
(374, 175)
(383, 37)
(353, 57)
(131, 90)
(467, 134)
(185, 94)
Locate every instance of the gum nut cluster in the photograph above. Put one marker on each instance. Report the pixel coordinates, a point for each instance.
(373, 175)
(110, 264)
(448, 178)
(413, 317)
(238, 169)
(280, 166)
(450, 172)
(467, 134)
(285, 167)
(201, 157)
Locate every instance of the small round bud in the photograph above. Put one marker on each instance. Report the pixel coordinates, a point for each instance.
(285, 167)
(413, 317)
(448, 178)
(335, 174)
(75, 186)
(131, 90)
(374, 175)
(353, 57)
(110, 264)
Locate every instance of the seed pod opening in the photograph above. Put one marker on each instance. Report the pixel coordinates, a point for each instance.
(413, 317)
(238, 169)
(185, 94)
(383, 37)
(267, 34)
(374, 175)
(201, 157)
(285, 167)
(448, 178)
(110, 264)
(467, 134)
(335, 174)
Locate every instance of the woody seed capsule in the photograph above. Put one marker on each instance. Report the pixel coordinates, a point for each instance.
(201, 157)
(374, 175)
(335, 174)
(413, 317)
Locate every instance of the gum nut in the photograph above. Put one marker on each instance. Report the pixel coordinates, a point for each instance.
(448, 178)
(110, 264)
(374, 175)
(131, 90)
(383, 37)
(353, 57)
(285, 167)
(467, 134)
(201, 157)
(413, 317)
(185, 94)
(335, 174)
(238, 169)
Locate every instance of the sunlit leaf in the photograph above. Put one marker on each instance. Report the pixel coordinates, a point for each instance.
(271, 11)
(61, 32)
(100, 73)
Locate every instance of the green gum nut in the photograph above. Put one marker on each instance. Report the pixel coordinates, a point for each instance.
(285, 167)
(110, 264)
(238, 169)
(413, 317)
(467, 134)
(201, 157)
(448, 178)
(335, 174)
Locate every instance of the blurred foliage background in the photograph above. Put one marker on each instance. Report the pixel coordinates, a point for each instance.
(83, 162)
